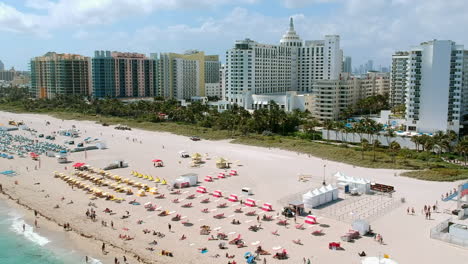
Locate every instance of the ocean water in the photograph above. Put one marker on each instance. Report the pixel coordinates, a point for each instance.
(18, 246)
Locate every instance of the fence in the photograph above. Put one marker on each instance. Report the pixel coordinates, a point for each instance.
(440, 232)
(349, 208)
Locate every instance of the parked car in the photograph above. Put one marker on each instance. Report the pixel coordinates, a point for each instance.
(80, 145)
(41, 135)
(71, 142)
(195, 138)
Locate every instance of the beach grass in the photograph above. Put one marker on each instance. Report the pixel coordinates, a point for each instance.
(353, 155)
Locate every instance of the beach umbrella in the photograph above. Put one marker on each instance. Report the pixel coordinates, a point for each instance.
(156, 160)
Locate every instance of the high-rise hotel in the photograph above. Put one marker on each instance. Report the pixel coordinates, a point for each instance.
(432, 81)
(293, 65)
(123, 74)
(60, 74)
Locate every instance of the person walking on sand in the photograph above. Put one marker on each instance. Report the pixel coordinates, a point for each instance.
(112, 224)
(264, 260)
(103, 247)
(169, 226)
(125, 259)
(35, 223)
(24, 227)
(86, 259)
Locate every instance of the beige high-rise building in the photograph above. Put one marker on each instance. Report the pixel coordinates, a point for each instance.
(182, 76)
(60, 74)
(332, 97)
(375, 83)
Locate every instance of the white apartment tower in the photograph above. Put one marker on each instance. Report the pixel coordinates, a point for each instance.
(437, 86)
(398, 78)
(293, 65)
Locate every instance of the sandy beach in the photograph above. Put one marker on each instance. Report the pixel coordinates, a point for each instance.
(272, 174)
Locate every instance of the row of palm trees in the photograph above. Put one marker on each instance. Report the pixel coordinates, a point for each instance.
(369, 131)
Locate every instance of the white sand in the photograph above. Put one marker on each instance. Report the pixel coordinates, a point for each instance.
(271, 173)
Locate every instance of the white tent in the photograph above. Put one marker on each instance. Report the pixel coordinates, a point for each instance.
(333, 190)
(362, 226)
(320, 196)
(378, 260)
(359, 185)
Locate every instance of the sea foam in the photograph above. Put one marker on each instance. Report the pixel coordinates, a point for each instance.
(28, 233)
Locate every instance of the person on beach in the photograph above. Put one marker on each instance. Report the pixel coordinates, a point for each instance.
(86, 259)
(125, 259)
(112, 224)
(24, 227)
(103, 247)
(1, 188)
(35, 223)
(169, 226)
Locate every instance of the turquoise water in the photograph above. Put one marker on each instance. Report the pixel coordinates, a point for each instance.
(18, 246)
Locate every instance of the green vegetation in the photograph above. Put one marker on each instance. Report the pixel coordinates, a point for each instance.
(267, 127)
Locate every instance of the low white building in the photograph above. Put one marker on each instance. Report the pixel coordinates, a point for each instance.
(288, 101)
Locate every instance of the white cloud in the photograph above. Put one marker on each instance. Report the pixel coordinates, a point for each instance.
(303, 3)
(369, 29)
(39, 4)
(72, 13)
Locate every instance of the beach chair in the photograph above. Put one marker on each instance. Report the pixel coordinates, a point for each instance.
(317, 232)
(175, 200)
(300, 226)
(187, 205)
(192, 196)
(251, 213)
(205, 210)
(297, 242)
(223, 205)
(283, 222)
(161, 196)
(219, 216)
(176, 192)
(275, 233)
(238, 210)
(206, 200)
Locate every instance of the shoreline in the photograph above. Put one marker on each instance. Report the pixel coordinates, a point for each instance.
(78, 236)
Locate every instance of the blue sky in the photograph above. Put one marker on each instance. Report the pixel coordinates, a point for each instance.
(369, 29)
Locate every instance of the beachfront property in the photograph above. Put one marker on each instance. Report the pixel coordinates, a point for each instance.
(60, 74)
(123, 74)
(182, 76)
(293, 65)
(398, 78)
(431, 79)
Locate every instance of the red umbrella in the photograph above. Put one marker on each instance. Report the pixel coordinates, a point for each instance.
(78, 165)
(156, 160)
(33, 154)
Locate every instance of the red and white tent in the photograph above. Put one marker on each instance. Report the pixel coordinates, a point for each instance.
(221, 175)
(233, 198)
(267, 207)
(250, 202)
(208, 178)
(217, 194)
(233, 173)
(201, 189)
(311, 219)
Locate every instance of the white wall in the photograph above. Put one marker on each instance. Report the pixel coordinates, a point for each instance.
(435, 82)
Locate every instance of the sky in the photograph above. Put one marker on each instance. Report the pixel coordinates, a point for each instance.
(369, 29)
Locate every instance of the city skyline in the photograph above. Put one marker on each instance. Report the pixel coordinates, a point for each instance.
(213, 25)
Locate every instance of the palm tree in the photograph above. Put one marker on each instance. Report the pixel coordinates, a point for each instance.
(375, 145)
(328, 125)
(462, 148)
(438, 140)
(394, 148)
(416, 140)
(389, 134)
(364, 146)
(340, 126)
